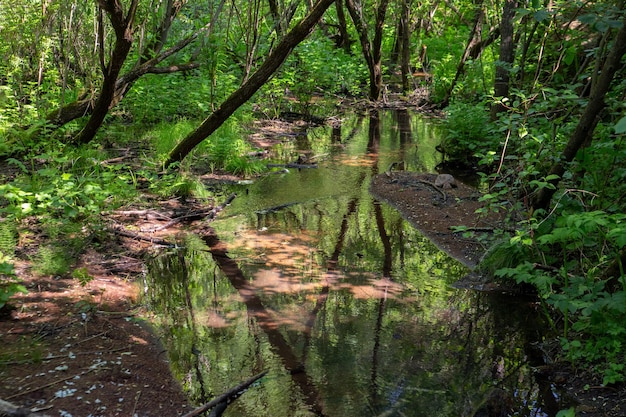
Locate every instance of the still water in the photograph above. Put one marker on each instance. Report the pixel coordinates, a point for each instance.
(348, 308)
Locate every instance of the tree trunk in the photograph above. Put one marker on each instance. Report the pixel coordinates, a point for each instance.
(344, 40)
(405, 42)
(371, 51)
(152, 55)
(507, 56)
(123, 42)
(588, 120)
(252, 84)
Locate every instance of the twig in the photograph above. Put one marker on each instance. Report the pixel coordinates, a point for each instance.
(506, 143)
(19, 394)
(472, 229)
(186, 217)
(49, 358)
(90, 337)
(8, 409)
(141, 213)
(550, 268)
(119, 230)
(136, 402)
(445, 196)
(230, 394)
(294, 166)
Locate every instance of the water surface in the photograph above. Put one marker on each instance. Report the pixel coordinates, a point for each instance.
(346, 305)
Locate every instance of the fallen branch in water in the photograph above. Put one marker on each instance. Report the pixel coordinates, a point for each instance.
(227, 397)
(298, 166)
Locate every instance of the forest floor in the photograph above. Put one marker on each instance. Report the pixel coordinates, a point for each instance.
(73, 350)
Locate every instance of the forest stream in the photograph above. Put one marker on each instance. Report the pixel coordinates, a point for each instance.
(346, 305)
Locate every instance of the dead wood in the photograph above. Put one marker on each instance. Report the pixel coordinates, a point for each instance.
(208, 215)
(142, 213)
(9, 410)
(227, 397)
(121, 231)
(432, 185)
(292, 166)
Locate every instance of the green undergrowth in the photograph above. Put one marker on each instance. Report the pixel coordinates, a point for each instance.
(571, 254)
(57, 195)
(567, 265)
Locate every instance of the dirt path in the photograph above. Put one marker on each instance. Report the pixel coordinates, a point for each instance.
(435, 211)
(73, 350)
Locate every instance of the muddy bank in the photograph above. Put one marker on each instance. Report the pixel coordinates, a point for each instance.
(435, 211)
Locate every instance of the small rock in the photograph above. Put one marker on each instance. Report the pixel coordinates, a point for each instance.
(445, 181)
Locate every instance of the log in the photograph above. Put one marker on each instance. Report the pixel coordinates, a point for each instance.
(227, 397)
(9, 410)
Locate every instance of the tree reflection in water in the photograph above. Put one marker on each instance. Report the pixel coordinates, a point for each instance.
(348, 307)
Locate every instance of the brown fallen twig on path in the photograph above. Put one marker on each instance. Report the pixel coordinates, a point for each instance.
(120, 231)
(228, 396)
(210, 215)
(28, 391)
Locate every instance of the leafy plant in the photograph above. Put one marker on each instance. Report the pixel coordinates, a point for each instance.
(82, 275)
(8, 237)
(592, 307)
(9, 283)
(52, 260)
(468, 132)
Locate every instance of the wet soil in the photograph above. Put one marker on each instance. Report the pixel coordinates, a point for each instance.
(86, 350)
(435, 211)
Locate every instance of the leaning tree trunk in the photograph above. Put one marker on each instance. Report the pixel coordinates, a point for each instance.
(123, 42)
(371, 51)
(507, 55)
(274, 60)
(344, 40)
(589, 119)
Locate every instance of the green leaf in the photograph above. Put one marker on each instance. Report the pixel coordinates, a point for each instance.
(570, 412)
(620, 127)
(541, 15)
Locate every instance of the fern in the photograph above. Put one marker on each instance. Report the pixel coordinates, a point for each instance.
(8, 238)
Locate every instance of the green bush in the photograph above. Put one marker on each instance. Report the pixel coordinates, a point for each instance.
(567, 272)
(468, 133)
